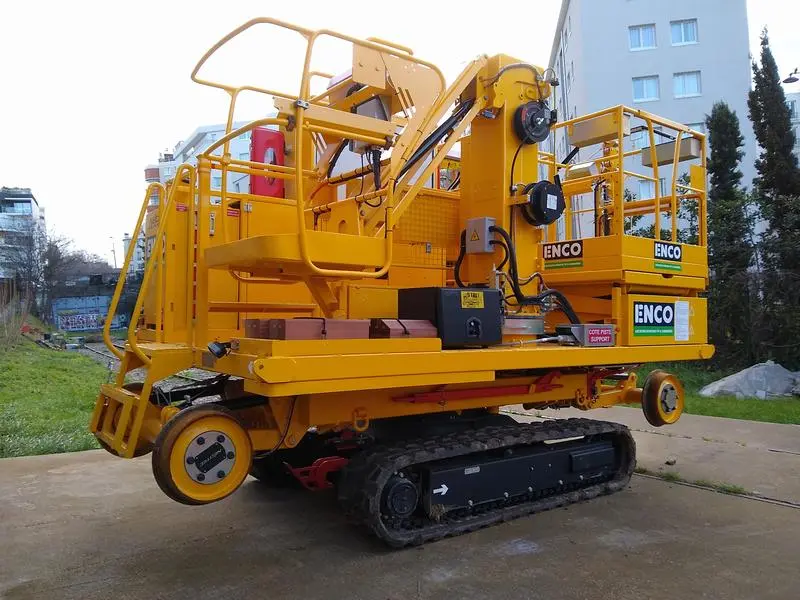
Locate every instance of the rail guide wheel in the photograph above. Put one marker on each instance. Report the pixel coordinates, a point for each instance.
(202, 455)
(662, 398)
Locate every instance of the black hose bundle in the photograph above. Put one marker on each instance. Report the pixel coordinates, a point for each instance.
(523, 300)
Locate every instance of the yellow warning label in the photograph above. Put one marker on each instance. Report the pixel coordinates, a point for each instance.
(474, 237)
(471, 299)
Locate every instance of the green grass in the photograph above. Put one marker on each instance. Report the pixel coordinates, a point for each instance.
(675, 477)
(694, 376)
(46, 399)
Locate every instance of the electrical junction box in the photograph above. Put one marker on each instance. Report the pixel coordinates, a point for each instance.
(479, 236)
(464, 317)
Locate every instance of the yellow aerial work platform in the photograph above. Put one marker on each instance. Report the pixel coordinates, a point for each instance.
(368, 193)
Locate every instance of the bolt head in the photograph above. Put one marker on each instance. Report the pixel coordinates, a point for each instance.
(220, 438)
(505, 494)
(230, 455)
(469, 502)
(201, 477)
(190, 460)
(220, 474)
(201, 440)
(530, 489)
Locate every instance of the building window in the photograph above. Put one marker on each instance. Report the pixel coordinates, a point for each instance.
(645, 88)
(216, 182)
(244, 156)
(686, 84)
(647, 189)
(17, 208)
(684, 32)
(699, 127)
(662, 184)
(642, 37)
(792, 104)
(212, 136)
(245, 136)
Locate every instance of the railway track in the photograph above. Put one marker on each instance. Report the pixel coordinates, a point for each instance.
(99, 350)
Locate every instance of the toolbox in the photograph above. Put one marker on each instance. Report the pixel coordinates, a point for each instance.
(464, 317)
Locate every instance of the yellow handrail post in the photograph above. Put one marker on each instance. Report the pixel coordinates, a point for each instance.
(656, 185)
(674, 200)
(123, 275)
(151, 263)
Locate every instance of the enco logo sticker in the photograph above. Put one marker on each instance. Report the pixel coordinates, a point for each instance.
(563, 255)
(654, 318)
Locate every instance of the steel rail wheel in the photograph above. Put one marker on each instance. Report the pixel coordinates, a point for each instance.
(662, 398)
(202, 455)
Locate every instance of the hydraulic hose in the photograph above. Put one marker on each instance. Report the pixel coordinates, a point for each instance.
(437, 135)
(462, 252)
(523, 300)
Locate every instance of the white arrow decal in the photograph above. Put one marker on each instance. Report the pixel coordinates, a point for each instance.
(441, 490)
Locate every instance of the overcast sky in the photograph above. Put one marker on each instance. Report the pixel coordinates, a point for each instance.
(91, 92)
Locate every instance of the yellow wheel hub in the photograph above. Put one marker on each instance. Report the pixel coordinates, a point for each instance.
(662, 398)
(202, 455)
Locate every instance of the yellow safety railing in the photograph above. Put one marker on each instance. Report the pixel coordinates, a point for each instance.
(155, 259)
(615, 171)
(123, 275)
(303, 100)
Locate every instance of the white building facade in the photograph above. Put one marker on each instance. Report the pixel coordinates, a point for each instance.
(137, 264)
(793, 102)
(22, 227)
(673, 58)
(186, 152)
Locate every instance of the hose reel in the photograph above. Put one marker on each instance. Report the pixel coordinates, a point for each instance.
(532, 122)
(545, 202)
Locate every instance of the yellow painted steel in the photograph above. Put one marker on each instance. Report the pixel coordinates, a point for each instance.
(171, 471)
(342, 243)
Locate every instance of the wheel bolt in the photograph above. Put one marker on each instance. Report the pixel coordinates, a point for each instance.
(230, 455)
(469, 502)
(201, 440)
(220, 474)
(220, 438)
(201, 477)
(190, 460)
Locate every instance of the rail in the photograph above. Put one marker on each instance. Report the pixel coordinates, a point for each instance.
(123, 276)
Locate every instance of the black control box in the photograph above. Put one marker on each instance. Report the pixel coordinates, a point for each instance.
(464, 317)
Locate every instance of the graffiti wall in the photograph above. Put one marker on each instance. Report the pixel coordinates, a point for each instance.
(84, 313)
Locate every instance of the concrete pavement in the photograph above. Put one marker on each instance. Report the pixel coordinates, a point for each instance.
(763, 458)
(87, 525)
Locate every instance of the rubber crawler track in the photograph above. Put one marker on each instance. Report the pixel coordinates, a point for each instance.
(364, 478)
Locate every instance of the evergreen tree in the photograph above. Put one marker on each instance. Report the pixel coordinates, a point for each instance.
(778, 173)
(730, 250)
(777, 190)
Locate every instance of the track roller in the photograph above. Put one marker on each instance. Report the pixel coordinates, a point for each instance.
(662, 398)
(202, 455)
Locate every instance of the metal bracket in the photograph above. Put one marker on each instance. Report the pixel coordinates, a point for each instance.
(301, 104)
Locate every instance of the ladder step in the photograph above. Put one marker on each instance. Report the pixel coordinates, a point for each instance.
(121, 395)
